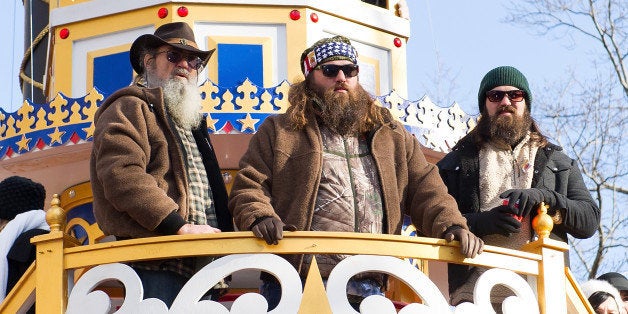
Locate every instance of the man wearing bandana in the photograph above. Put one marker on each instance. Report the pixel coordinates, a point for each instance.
(336, 161)
(503, 169)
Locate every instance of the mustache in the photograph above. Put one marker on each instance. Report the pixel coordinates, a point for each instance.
(340, 85)
(181, 71)
(508, 109)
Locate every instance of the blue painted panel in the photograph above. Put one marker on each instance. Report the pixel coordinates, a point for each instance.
(239, 61)
(112, 72)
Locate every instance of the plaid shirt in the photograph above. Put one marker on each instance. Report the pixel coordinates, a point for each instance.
(201, 209)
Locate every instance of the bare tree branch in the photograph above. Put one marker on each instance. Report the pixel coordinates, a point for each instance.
(606, 25)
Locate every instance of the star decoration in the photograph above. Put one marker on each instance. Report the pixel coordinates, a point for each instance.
(55, 137)
(23, 143)
(89, 131)
(248, 123)
(211, 123)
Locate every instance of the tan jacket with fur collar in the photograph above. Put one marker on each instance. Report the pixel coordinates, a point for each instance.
(280, 173)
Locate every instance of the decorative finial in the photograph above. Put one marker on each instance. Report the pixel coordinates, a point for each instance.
(55, 215)
(543, 222)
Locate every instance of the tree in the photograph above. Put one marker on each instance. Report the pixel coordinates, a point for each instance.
(589, 117)
(441, 86)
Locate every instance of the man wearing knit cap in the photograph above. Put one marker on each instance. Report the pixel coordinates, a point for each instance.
(153, 168)
(503, 169)
(336, 161)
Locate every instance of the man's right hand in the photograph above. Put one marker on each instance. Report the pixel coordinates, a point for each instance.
(270, 229)
(499, 220)
(196, 229)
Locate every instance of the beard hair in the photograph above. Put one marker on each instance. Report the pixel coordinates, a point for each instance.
(503, 130)
(182, 100)
(344, 113)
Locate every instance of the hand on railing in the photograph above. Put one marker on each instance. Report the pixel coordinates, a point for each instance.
(197, 229)
(470, 245)
(270, 229)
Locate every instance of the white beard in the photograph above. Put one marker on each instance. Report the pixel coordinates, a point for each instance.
(183, 102)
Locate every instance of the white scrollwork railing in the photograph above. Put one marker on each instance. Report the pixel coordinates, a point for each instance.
(85, 299)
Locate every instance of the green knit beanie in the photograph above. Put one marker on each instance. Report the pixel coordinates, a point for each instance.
(503, 76)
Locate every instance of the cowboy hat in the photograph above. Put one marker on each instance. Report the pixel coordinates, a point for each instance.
(177, 34)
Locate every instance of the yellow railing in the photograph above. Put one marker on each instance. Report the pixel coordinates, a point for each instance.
(59, 255)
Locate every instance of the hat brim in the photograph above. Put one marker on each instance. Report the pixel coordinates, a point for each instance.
(149, 41)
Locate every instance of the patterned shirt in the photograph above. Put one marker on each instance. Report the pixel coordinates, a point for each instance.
(349, 199)
(201, 210)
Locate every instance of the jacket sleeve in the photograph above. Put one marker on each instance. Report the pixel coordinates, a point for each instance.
(250, 196)
(432, 209)
(122, 149)
(581, 215)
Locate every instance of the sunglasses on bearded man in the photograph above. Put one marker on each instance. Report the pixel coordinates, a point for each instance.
(331, 70)
(175, 57)
(513, 95)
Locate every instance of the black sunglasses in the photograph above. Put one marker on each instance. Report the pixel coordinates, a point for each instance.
(513, 95)
(175, 57)
(331, 70)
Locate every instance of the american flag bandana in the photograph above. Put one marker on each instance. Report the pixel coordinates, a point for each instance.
(334, 50)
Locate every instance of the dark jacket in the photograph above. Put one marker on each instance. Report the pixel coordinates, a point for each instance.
(21, 256)
(553, 170)
(137, 168)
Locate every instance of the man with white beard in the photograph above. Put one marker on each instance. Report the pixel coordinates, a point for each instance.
(153, 168)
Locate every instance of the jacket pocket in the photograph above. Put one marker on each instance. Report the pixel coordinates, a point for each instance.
(555, 177)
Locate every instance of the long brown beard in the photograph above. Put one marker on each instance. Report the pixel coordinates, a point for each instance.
(502, 130)
(344, 113)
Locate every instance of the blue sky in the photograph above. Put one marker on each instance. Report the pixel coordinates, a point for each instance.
(467, 36)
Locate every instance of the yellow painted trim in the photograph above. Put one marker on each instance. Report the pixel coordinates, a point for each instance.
(296, 242)
(107, 25)
(576, 300)
(314, 296)
(20, 292)
(89, 80)
(76, 195)
(50, 275)
(61, 76)
(280, 15)
(267, 59)
(376, 73)
(65, 3)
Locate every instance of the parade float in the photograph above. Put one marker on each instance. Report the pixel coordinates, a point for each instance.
(78, 54)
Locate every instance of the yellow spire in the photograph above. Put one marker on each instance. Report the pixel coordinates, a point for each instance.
(55, 215)
(543, 223)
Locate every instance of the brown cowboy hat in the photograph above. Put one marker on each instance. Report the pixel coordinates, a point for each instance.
(177, 34)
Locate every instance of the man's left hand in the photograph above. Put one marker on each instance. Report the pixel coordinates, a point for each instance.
(470, 245)
(524, 201)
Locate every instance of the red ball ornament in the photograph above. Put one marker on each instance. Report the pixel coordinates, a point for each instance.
(162, 13)
(295, 15)
(314, 17)
(397, 42)
(64, 33)
(182, 11)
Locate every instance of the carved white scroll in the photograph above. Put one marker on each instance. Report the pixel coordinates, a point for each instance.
(524, 302)
(84, 299)
(434, 302)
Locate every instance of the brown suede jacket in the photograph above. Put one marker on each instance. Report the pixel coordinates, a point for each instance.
(280, 173)
(137, 167)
